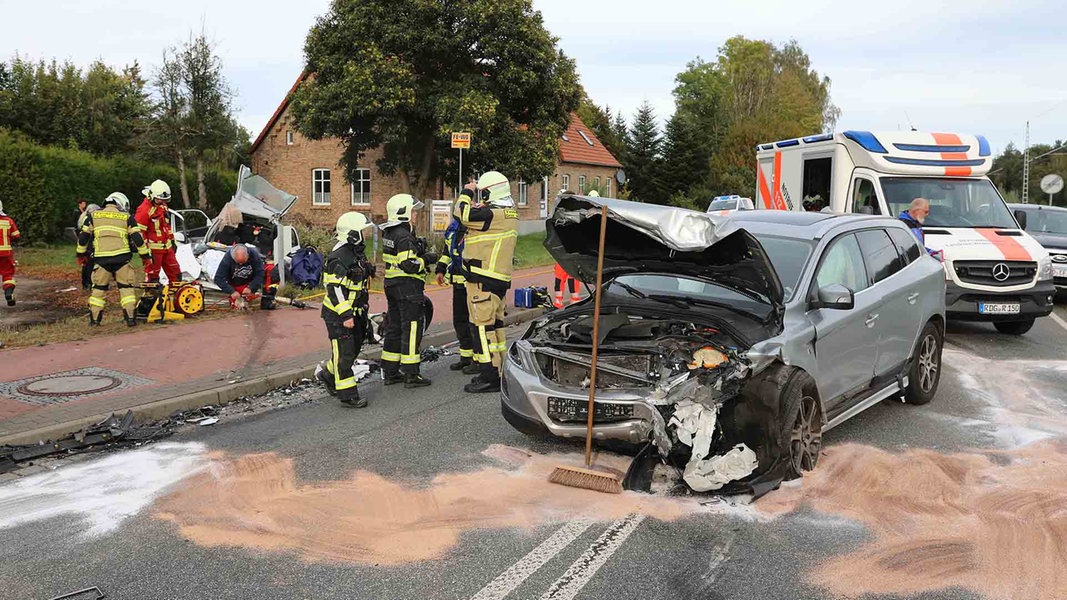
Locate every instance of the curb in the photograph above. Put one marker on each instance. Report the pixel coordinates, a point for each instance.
(227, 393)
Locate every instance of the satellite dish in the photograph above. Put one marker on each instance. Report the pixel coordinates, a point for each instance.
(1051, 183)
(620, 176)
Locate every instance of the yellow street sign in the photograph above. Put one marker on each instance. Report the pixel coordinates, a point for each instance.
(461, 140)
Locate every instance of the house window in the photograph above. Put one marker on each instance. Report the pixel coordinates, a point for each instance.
(361, 187)
(566, 182)
(596, 184)
(320, 187)
(607, 187)
(523, 189)
(585, 137)
(288, 138)
(581, 184)
(565, 138)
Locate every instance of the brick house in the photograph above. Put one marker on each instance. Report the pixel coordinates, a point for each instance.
(309, 169)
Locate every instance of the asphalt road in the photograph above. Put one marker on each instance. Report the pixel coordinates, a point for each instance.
(411, 437)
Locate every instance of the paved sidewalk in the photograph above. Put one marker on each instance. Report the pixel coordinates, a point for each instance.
(196, 361)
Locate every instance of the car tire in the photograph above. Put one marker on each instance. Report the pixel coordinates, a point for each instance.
(1014, 327)
(925, 372)
(802, 424)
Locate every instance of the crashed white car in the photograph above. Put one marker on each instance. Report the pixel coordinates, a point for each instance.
(201, 241)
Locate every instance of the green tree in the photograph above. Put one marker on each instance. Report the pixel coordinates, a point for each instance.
(400, 75)
(209, 99)
(642, 155)
(1007, 171)
(600, 121)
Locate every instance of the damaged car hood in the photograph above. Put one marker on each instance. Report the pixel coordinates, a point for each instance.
(664, 239)
(256, 196)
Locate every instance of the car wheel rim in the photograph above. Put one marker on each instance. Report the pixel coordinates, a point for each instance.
(806, 440)
(928, 363)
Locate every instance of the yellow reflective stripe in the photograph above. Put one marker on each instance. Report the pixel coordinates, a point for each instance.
(80, 250)
(94, 301)
(413, 339)
(390, 356)
(339, 383)
(128, 299)
(491, 274)
(466, 353)
(109, 253)
(111, 228)
(483, 357)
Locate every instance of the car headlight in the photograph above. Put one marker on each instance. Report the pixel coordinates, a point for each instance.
(1044, 268)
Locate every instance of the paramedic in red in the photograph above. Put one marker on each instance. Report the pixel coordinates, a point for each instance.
(153, 218)
(9, 232)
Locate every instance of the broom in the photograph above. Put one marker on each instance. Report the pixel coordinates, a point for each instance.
(589, 477)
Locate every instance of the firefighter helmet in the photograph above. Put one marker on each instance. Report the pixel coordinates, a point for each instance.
(494, 188)
(350, 227)
(119, 199)
(1, 207)
(400, 207)
(159, 190)
(593, 194)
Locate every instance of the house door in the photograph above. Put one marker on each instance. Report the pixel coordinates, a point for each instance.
(544, 198)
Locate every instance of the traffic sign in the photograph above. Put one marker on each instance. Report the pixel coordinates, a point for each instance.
(461, 139)
(1051, 183)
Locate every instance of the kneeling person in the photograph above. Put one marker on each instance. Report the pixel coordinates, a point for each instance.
(344, 307)
(243, 272)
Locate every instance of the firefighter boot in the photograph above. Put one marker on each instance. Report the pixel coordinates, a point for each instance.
(461, 364)
(472, 368)
(488, 381)
(352, 398)
(131, 321)
(95, 321)
(9, 295)
(325, 379)
(415, 380)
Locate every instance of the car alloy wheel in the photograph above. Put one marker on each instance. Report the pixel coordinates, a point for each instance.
(806, 440)
(928, 363)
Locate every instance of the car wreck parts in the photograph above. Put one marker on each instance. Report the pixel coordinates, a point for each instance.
(683, 375)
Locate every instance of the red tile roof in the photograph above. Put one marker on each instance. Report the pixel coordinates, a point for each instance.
(573, 148)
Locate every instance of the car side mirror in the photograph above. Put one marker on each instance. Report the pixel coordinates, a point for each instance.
(179, 237)
(1020, 216)
(835, 296)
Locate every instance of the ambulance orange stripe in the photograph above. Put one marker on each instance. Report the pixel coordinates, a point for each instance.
(1008, 246)
(951, 139)
(764, 189)
(958, 171)
(779, 201)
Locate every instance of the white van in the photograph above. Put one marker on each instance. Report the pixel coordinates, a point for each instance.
(724, 205)
(994, 270)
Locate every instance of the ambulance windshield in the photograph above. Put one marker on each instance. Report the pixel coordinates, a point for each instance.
(953, 202)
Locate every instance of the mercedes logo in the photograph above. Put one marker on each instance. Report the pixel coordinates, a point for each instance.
(1059, 258)
(1001, 271)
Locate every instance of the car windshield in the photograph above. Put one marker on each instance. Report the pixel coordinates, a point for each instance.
(728, 204)
(685, 291)
(1046, 221)
(953, 202)
(788, 255)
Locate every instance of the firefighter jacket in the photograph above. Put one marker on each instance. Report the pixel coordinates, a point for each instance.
(112, 233)
(402, 253)
(345, 274)
(451, 262)
(489, 246)
(155, 225)
(9, 232)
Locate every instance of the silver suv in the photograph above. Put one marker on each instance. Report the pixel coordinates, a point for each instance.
(731, 344)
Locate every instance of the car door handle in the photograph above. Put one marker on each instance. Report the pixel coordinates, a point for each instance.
(912, 297)
(871, 319)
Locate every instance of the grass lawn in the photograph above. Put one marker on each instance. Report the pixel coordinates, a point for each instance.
(530, 251)
(49, 262)
(76, 328)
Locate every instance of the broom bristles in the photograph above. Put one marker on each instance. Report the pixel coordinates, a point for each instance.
(588, 479)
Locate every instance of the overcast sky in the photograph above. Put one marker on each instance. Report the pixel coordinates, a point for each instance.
(985, 66)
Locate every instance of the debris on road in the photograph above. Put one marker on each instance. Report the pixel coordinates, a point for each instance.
(75, 595)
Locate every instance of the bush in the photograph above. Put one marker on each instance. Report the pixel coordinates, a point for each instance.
(40, 185)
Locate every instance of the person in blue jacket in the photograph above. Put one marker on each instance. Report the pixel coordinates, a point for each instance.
(914, 218)
(450, 270)
(242, 272)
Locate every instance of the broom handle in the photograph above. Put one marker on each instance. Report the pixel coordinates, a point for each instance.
(596, 333)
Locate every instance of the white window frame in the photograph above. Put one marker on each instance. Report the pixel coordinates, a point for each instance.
(585, 137)
(363, 198)
(607, 187)
(289, 137)
(581, 184)
(320, 194)
(524, 192)
(596, 183)
(565, 180)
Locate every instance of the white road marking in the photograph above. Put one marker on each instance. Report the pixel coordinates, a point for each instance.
(1059, 320)
(583, 569)
(517, 573)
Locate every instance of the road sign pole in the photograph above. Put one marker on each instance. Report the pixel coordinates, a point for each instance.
(460, 186)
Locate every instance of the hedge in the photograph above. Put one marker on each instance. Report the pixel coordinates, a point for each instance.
(40, 185)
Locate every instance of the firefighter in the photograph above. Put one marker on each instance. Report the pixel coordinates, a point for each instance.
(344, 307)
(9, 232)
(450, 269)
(113, 232)
(405, 258)
(87, 268)
(489, 247)
(154, 218)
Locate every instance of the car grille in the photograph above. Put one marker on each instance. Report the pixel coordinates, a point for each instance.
(981, 272)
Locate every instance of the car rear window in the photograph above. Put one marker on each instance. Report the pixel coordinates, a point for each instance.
(880, 254)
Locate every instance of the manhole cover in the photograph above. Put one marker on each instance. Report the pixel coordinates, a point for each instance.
(66, 385)
(56, 388)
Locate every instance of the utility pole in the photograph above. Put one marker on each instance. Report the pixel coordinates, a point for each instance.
(1026, 165)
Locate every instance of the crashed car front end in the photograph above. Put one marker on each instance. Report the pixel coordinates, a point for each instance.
(672, 369)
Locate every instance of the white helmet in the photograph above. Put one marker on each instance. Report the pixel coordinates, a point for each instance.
(350, 227)
(400, 207)
(159, 190)
(92, 208)
(1, 207)
(119, 199)
(593, 194)
(494, 188)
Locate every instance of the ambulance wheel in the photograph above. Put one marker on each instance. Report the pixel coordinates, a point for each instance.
(189, 300)
(1014, 327)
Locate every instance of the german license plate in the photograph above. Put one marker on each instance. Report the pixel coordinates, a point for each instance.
(570, 409)
(1059, 270)
(998, 308)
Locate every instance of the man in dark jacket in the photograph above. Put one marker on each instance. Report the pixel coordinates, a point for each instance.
(450, 270)
(914, 218)
(242, 272)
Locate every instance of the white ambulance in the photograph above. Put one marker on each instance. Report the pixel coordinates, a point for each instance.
(994, 270)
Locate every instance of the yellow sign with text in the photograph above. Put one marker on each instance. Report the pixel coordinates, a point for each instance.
(461, 140)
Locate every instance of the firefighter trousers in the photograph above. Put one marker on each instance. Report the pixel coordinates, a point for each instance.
(7, 273)
(346, 344)
(461, 322)
(405, 322)
(124, 276)
(167, 262)
(486, 308)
